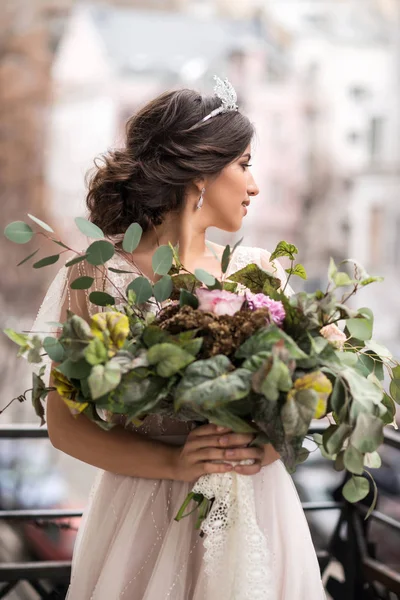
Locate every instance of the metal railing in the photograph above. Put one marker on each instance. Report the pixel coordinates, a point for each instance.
(365, 578)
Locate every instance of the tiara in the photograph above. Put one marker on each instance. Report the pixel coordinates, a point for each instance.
(225, 91)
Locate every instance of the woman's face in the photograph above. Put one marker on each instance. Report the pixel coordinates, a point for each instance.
(227, 197)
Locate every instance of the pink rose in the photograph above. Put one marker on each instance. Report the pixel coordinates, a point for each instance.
(334, 336)
(219, 302)
(275, 307)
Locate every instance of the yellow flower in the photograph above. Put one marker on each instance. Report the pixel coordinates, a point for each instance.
(67, 392)
(111, 327)
(318, 382)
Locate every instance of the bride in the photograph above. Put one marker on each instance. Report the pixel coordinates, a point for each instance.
(185, 167)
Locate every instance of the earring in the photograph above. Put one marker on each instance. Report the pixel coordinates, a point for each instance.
(201, 199)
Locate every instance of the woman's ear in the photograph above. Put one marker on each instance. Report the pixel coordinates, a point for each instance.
(199, 183)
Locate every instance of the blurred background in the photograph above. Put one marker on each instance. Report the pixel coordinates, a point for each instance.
(320, 80)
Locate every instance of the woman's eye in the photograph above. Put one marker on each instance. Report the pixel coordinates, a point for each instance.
(246, 165)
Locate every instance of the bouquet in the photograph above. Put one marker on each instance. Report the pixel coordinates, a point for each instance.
(235, 351)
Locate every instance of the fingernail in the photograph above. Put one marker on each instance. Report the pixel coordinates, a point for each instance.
(224, 439)
(219, 428)
(230, 453)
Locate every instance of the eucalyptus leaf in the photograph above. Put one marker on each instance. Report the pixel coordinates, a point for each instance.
(205, 277)
(360, 329)
(98, 253)
(394, 387)
(226, 256)
(341, 279)
(368, 433)
(89, 229)
(132, 237)
(356, 489)
(372, 460)
(27, 258)
(19, 232)
(42, 224)
(101, 299)
(54, 349)
(82, 283)
(335, 442)
(163, 288)
(162, 260)
(142, 288)
(75, 260)
(354, 460)
(378, 349)
(45, 262)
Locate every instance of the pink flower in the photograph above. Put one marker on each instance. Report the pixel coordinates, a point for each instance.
(334, 336)
(219, 302)
(275, 307)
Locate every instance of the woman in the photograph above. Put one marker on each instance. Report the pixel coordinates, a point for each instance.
(185, 167)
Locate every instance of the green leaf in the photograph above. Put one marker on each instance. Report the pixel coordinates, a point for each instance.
(372, 460)
(82, 283)
(41, 223)
(375, 498)
(255, 279)
(27, 258)
(113, 270)
(334, 443)
(226, 255)
(349, 359)
(298, 411)
(390, 406)
(162, 260)
(332, 269)
(142, 288)
(89, 229)
(103, 379)
(284, 249)
(99, 252)
(54, 349)
(394, 387)
(96, 352)
(354, 460)
(338, 397)
(19, 232)
(132, 237)
(101, 299)
(205, 277)
(360, 329)
(186, 298)
(369, 280)
(211, 383)
(265, 339)
(38, 393)
(169, 358)
(356, 489)
(364, 391)
(44, 262)
(368, 433)
(153, 335)
(341, 279)
(225, 418)
(18, 338)
(75, 260)
(378, 349)
(298, 270)
(163, 288)
(79, 369)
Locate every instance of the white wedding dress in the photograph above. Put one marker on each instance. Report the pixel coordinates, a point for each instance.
(130, 547)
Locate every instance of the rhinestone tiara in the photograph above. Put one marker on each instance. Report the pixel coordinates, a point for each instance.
(225, 91)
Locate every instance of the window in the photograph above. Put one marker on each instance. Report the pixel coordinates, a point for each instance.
(376, 137)
(375, 236)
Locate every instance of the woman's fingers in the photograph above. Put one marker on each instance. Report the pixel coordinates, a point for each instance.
(229, 440)
(248, 469)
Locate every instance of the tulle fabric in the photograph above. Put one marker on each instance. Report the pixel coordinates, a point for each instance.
(129, 547)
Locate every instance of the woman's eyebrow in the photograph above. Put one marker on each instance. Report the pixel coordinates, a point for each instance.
(248, 156)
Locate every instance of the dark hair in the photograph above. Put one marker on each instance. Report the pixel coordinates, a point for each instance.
(166, 149)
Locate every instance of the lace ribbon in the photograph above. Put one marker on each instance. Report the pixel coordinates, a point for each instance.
(237, 558)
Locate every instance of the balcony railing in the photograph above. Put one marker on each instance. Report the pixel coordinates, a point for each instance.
(365, 578)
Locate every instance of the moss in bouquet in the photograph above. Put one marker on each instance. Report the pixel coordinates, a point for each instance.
(221, 334)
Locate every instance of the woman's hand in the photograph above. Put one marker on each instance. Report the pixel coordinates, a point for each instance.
(208, 447)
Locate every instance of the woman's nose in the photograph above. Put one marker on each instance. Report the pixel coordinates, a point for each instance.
(252, 188)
